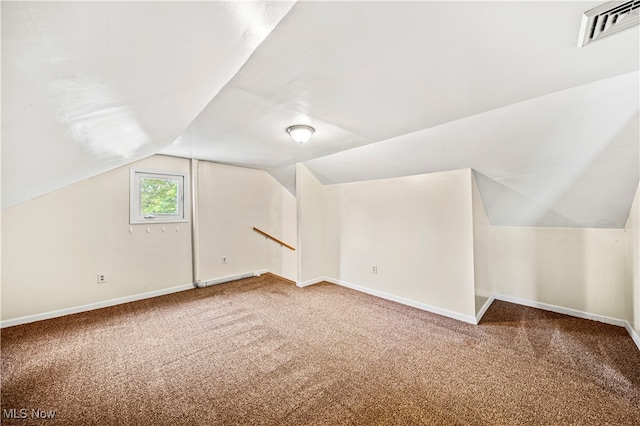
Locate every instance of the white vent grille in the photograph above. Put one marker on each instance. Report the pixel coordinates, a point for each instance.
(607, 19)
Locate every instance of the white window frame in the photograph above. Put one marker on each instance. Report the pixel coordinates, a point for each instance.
(136, 217)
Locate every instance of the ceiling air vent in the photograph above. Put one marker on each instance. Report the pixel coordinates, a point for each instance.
(608, 19)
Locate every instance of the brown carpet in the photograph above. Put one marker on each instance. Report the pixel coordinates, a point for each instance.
(261, 351)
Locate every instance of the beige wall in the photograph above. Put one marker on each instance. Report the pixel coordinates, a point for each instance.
(53, 247)
(417, 230)
(481, 249)
(579, 269)
(232, 200)
(632, 264)
(311, 227)
(428, 235)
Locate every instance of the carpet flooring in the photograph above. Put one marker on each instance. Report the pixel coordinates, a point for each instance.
(262, 351)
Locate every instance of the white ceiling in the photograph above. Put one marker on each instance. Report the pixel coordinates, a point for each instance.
(392, 89)
(565, 159)
(90, 86)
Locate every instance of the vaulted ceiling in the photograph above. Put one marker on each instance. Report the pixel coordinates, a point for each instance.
(392, 88)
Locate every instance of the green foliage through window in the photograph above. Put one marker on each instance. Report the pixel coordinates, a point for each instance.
(159, 196)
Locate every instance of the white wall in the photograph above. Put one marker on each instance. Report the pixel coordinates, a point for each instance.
(416, 229)
(311, 202)
(632, 266)
(232, 200)
(54, 246)
(427, 234)
(575, 268)
(481, 249)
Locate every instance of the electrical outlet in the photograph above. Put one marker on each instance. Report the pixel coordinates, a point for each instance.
(224, 260)
(102, 278)
(374, 269)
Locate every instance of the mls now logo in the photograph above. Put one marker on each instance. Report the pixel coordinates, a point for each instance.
(14, 413)
(23, 413)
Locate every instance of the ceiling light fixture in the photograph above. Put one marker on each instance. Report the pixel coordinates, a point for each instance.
(300, 133)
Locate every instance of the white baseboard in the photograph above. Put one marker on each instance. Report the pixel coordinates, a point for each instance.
(228, 278)
(92, 306)
(634, 334)
(404, 301)
(484, 308)
(311, 282)
(126, 299)
(280, 277)
(469, 319)
(561, 310)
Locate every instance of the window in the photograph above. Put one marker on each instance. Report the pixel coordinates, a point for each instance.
(157, 197)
